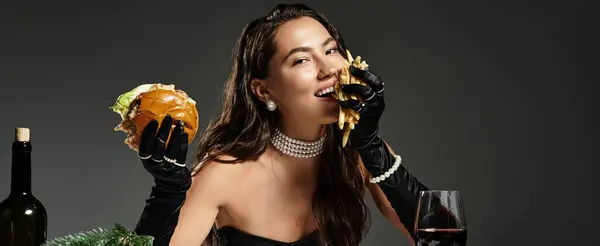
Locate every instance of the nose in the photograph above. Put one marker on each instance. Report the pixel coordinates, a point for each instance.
(327, 70)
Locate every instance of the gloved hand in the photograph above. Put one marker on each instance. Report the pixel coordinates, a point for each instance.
(364, 138)
(172, 178)
(167, 166)
(370, 109)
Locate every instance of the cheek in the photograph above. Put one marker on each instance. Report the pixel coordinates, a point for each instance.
(299, 82)
(339, 61)
(295, 93)
(299, 89)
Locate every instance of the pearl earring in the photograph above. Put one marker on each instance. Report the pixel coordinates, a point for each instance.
(271, 105)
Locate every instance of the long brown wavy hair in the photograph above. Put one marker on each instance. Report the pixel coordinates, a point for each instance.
(244, 127)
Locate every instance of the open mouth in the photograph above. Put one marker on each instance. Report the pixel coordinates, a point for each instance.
(325, 92)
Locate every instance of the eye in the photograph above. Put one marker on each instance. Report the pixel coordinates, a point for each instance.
(331, 51)
(300, 61)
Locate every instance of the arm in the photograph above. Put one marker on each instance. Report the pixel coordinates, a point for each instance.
(160, 215)
(384, 206)
(197, 215)
(397, 196)
(401, 188)
(208, 193)
(171, 180)
(180, 209)
(184, 218)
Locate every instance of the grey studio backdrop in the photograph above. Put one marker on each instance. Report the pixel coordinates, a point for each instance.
(485, 98)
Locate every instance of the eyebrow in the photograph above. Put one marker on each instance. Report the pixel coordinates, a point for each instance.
(306, 49)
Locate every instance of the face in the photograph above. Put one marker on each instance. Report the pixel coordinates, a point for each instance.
(305, 63)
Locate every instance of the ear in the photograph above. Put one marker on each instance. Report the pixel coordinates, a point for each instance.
(259, 88)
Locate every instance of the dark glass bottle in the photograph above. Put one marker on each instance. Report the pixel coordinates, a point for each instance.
(23, 218)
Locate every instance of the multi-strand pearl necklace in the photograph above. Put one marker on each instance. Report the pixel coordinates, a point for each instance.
(295, 147)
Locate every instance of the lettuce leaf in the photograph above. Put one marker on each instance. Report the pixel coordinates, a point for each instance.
(124, 100)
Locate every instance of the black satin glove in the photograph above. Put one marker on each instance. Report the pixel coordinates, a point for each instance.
(370, 108)
(401, 188)
(167, 166)
(172, 178)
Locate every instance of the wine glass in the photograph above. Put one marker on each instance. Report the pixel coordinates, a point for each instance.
(440, 219)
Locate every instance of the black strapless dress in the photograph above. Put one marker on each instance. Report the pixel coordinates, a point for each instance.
(231, 236)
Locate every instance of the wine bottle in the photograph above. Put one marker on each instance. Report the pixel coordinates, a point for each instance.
(23, 218)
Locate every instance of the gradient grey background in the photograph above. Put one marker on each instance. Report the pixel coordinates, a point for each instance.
(491, 99)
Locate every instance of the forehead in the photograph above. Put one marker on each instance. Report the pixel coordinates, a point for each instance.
(301, 32)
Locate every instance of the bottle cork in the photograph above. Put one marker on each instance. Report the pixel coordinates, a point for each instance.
(22, 134)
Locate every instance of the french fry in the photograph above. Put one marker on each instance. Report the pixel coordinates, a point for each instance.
(348, 118)
(342, 119)
(354, 114)
(345, 137)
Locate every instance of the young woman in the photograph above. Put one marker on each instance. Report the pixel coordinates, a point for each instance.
(270, 169)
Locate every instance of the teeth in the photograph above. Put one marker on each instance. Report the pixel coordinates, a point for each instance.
(325, 91)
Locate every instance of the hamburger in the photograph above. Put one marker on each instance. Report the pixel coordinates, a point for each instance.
(149, 102)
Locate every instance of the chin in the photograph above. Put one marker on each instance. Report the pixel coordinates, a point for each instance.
(330, 117)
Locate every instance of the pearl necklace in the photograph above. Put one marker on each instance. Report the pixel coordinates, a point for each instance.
(297, 148)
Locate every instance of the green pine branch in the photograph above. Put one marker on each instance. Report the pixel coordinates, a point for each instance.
(118, 236)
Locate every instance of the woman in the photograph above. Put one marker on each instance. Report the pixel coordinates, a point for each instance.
(247, 187)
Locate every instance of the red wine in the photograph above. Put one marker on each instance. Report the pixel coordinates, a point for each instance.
(23, 218)
(442, 237)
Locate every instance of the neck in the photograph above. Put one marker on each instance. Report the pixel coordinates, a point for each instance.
(300, 171)
(299, 141)
(21, 169)
(301, 130)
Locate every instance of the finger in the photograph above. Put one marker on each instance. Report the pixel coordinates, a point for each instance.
(363, 91)
(147, 139)
(173, 144)
(158, 150)
(367, 77)
(358, 106)
(183, 146)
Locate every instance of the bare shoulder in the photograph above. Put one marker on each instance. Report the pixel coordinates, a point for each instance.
(212, 187)
(218, 180)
